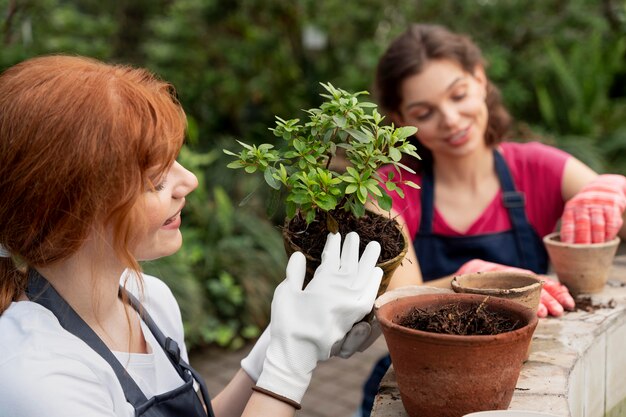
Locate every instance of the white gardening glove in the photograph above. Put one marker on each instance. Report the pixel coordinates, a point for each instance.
(253, 363)
(359, 338)
(306, 323)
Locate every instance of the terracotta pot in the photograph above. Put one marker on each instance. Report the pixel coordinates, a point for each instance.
(441, 375)
(388, 266)
(516, 286)
(582, 268)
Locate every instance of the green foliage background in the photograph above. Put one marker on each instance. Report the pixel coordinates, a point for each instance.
(236, 63)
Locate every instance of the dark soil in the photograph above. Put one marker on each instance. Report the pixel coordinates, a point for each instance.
(370, 227)
(585, 303)
(460, 319)
(310, 239)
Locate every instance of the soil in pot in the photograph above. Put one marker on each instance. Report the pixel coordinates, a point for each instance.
(460, 319)
(310, 239)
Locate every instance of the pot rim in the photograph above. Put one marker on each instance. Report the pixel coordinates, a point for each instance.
(442, 338)
(550, 240)
(457, 287)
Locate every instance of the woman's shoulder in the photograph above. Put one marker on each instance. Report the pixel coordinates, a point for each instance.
(531, 151)
(39, 358)
(534, 159)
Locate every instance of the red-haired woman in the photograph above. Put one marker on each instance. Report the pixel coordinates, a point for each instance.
(89, 186)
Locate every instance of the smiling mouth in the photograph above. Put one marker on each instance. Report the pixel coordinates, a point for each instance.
(171, 219)
(458, 135)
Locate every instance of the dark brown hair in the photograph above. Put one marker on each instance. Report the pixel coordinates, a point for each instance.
(408, 54)
(79, 142)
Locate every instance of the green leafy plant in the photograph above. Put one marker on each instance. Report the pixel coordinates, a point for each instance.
(301, 173)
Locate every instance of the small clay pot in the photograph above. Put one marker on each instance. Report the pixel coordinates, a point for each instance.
(442, 375)
(517, 286)
(582, 268)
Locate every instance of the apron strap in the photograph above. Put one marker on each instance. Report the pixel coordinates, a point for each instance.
(171, 349)
(515, 202)
(40, 291)
(427, 200)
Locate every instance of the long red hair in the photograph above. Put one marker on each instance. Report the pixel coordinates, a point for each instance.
(79, 142)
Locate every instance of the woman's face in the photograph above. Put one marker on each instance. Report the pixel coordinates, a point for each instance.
(447, 105)
(161, 208)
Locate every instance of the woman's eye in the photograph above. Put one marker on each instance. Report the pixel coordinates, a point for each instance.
(459, 95)
(160, 186)
(422, 116)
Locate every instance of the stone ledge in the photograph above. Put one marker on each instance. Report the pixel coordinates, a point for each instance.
(576, 367)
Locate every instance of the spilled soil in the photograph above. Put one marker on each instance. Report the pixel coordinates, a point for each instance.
(585, 303)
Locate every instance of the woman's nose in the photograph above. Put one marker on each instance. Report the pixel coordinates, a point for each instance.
(187, 181)
(449, 116)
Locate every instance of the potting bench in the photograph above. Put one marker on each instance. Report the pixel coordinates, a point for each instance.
(577, 363)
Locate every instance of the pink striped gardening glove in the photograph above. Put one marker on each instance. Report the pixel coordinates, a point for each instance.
(594, 215)
(555, 296)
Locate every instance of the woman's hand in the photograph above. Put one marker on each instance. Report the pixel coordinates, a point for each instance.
(306, 323)
(555, 296)
(594, 215)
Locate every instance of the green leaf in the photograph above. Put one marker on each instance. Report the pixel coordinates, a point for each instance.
(360, 136)
(270, 179)
(405, 131)
(373, 187)
(353, 172)
(326, 202)
(299, 198)
(358, 210)
(235, 165)
(412, 184)
(339, 121)
(351, 188)
(310, 216)
(395, 154)
(248, 147)
(290, 209)
(385, 202)
(250, 169)
(361, 193)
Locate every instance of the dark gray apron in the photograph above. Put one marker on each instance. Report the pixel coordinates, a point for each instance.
(182, 401)
(520, 246)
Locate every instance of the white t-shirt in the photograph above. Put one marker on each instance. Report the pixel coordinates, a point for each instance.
(47, 371)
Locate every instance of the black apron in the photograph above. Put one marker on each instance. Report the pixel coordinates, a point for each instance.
(182, 401)
(520, 246)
